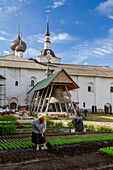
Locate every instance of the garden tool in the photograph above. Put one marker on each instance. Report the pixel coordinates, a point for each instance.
(48, 143)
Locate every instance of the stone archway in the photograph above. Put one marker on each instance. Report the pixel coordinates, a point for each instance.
(13, 105)
(108, 108)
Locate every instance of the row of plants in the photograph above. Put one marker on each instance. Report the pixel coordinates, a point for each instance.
(7, 129)
(92, 128)
(15, 136)
(16, 145)
(16, 140)
(79, 140)
(97, 128)
(108, 151)
(8, 118)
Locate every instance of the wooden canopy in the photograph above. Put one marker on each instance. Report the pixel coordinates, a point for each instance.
(52, 94)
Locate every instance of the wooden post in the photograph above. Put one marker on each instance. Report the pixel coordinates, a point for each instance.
(66, 107)
(40, 101)
(44, 99)
(49, 98)
(33, 101)
(69, 95)
(37, 93)
(56, 108)
(60, 107)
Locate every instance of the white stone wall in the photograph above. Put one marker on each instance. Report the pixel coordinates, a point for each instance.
(100, 95)
(18, 94)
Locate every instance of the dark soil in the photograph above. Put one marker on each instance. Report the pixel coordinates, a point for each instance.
(83, 156)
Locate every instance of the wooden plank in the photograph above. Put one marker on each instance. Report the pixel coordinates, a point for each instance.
(69, 95)
(44, 99)
(62, 77)
(60, 107)
(33, 101)
(36, 102)
(38, 107)
(66, 107)
(49, 98)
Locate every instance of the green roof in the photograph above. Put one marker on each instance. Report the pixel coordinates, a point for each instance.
(1, 77)
(45, 82)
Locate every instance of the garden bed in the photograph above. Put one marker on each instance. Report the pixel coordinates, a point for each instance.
(76, 155)
(82, 156)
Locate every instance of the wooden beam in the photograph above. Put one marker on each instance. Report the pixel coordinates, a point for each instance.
(66, 107)
(49, 98)
(69, 95)
(33, 101)
(36, 102)
(44, 99)
(38, 107)
(60, 107)
(56, 108)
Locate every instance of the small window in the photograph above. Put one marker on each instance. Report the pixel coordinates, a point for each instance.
(83, 104)
(32, 82)
(111, 89)
(16, 83)
(89, 88)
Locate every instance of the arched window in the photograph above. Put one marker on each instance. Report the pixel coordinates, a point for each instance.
(16, 83)
(111, 89)
(89, 88)
(32, 82)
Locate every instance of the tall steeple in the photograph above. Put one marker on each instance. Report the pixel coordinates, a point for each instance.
(47, 41)
(47, 29)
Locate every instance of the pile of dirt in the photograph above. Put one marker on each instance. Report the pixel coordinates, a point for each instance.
(83, 156)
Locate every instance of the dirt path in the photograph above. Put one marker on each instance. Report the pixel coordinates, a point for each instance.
(77, 157)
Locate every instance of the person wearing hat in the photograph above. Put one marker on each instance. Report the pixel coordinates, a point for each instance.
(38, 135)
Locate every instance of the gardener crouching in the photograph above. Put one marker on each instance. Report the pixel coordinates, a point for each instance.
(38, 135)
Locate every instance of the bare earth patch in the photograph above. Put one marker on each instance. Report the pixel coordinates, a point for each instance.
(83, 156)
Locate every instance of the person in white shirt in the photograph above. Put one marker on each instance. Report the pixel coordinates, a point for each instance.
(38, 132)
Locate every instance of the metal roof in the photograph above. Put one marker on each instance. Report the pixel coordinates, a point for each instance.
(45, 82)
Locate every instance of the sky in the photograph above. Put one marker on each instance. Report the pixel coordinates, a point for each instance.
(81, 31)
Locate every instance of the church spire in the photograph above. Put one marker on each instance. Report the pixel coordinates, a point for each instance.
(18, 29)
(47, 29)
(47, 41)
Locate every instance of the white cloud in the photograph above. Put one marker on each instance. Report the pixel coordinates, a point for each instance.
(5, 33)
(98, 52)
(31, 52)
(110, 16)
(11, 9)
(106, 7)
(56, 4)
(61, 37)
(78, 22)
(62, 22)
(103, 50)
(85, 63)
(3, 39)
(40, 38)
(48, 10)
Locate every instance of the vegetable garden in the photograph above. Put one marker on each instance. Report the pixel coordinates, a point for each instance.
(16, 137)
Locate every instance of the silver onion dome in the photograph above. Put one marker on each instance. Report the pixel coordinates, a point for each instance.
(18, 42)
(15, 43)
